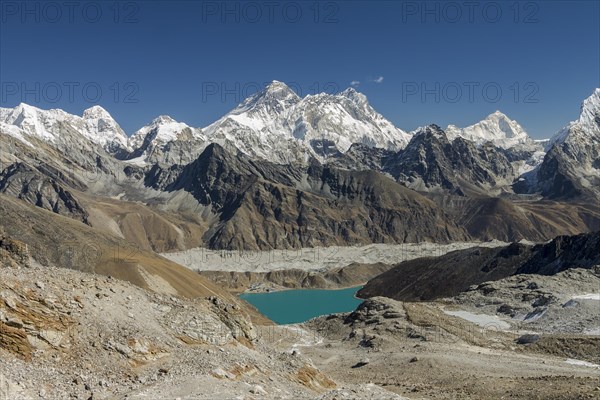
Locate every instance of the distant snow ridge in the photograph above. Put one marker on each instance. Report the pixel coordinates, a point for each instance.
(496, 128)
(506, 134)
(345, 118)
(278, 125)
(167, 141)
(32, 121)
(161, 130)
(96, 124)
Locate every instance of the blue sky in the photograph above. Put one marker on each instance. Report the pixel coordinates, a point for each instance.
(418, 62)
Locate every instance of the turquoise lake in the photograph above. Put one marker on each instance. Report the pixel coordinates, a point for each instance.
(294, 306)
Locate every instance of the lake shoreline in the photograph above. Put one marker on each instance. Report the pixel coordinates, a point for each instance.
(285, 289)
(300, 305)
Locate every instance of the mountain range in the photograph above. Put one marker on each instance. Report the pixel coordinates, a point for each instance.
(281, 171)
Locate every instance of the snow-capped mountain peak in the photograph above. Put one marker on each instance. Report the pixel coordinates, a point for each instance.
(344, 119)
(588, 122)
(590, 109)
(162, 120)
(355, 96)
(277, 124)
(165, 140)
(30, 120)
(510, 128)
(25, 110)
(276, 98)
(571, 166)
(496, 128)
(23, 121)
(161, 130)
(55, 125)
(277, 91)
(102, 129)
(96, 112)
(278, 87)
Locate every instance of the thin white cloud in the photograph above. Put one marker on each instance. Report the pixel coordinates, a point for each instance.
(354, 83)
(379, 79)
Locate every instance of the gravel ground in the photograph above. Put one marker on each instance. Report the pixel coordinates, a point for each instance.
(313, 259)
(67, 334)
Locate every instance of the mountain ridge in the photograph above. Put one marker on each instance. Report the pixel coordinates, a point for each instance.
(275, 124)
(203, 192)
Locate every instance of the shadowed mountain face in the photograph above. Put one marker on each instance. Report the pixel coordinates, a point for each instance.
(431, 278)
(562, 253)
(571, 170)
(263, 205)
(455, 272)
(432, 163)
(571, 167)
(41, 188)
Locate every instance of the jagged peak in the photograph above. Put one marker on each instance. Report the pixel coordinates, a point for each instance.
(162, 120)
(276, 95)
(354, 95)
(587, 122)
(350, 90)
(277, 85)
(431, 129)
(26, 109)
(213, 148)
(211, 152)
(427, 135)
(276, 89)
(497, 115)
(22, 106)
(96, 111)
(162, 129)
(435, 129)
(590, 107)
(497, 128)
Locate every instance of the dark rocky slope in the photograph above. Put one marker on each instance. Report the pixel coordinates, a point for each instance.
(263, 205)
(432, 163)
(453, 273)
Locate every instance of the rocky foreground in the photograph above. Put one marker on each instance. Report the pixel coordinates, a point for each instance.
(67, 334)
(421, 351)
(70, 334)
